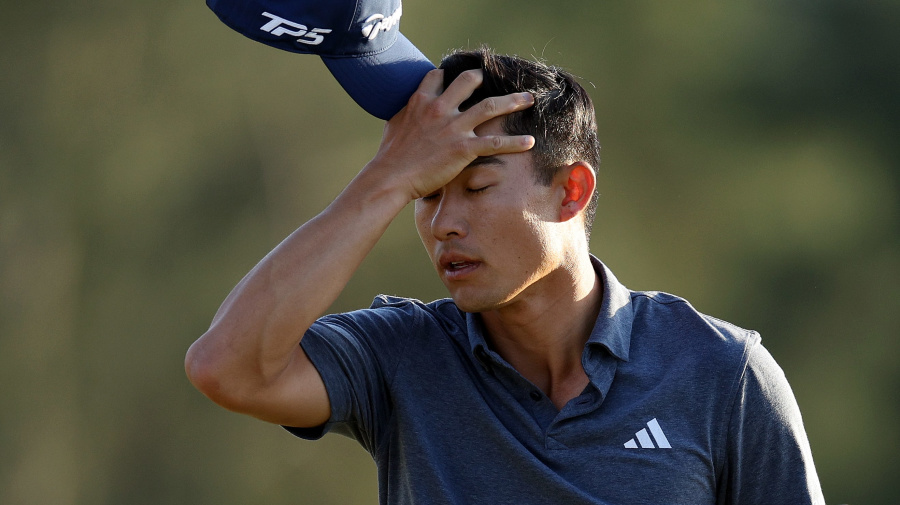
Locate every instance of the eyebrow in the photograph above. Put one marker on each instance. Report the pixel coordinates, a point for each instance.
(485, 160)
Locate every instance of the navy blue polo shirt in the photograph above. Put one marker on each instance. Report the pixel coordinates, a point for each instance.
(681, 408)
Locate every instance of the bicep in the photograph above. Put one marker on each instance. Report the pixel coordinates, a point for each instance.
(348, 361)
(296, 398)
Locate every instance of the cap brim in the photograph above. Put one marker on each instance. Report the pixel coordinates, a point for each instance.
(382, 83)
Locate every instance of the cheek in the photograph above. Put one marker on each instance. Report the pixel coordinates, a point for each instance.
(423, 227)
(419, 217)
(426, 238)
(538, 235)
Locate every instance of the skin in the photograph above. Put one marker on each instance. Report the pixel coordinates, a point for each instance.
(249, 360)
(514, 251)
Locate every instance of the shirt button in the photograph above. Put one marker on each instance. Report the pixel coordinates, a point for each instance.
(536, 395)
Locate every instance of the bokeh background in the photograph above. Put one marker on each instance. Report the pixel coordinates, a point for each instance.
(149, 156)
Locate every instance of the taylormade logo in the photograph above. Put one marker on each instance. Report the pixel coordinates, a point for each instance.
(377, 23)
(279, 26)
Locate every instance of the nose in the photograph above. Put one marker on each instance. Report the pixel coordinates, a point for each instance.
(449, 220)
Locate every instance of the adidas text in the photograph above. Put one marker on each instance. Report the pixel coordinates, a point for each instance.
(279, 26)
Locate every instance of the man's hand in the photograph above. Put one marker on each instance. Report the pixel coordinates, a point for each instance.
(430, 141)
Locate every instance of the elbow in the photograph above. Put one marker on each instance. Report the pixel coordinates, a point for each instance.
(207, 374)
(198, 370)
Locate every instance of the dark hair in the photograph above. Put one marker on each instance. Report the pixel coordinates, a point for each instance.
(561, 120)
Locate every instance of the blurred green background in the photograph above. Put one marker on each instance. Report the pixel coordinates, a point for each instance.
(149, 156)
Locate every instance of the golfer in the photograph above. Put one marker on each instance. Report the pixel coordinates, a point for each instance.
(542, 379)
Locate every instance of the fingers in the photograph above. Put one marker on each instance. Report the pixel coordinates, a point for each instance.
(429, 142)
(467, 82)
(495, 106)
(501, 144)
(492, 108)
(462, 87)
(444, 101)
(433, 82)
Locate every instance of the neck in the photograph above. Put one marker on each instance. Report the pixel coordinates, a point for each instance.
(543, 334)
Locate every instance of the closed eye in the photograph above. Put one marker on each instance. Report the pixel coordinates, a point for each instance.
(477, 190)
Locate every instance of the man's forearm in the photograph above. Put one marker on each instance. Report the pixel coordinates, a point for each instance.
(256, 330)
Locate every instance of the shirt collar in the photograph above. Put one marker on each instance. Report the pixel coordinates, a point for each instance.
(612, 331)
(613, 327)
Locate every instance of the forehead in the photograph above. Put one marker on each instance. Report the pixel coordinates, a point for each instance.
(491, 127)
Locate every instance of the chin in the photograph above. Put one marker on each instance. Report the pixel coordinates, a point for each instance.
(468, 307)
(473, 304)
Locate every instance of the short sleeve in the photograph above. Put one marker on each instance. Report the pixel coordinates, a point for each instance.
(768, 455)
(356, 354)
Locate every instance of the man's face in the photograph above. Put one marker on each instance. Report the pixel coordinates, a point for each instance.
(489, 232)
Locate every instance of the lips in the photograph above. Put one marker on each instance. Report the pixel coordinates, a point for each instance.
(455, 266)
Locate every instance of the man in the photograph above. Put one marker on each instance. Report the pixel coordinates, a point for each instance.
(543, 379)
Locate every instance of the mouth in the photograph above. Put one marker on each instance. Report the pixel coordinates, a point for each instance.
(457, 268)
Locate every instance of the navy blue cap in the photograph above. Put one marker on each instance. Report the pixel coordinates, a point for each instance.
(359, 41)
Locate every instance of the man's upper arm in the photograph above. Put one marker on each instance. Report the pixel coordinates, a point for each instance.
(356, 355)
(296, 398)
(339, 371)
(768, 455)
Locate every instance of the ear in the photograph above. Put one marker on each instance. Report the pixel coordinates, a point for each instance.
(578, 181)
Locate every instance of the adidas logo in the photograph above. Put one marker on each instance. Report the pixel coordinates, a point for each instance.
(644, 439)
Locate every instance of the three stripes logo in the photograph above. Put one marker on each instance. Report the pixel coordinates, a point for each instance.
(643, 438)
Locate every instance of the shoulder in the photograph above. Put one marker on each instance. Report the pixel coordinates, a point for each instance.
(395, 314)
(443, 306)
(699, 357)
(369, 343)
(656, 312)
(442, 311)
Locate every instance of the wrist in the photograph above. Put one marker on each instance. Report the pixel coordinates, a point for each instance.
(381, 182)
(375, 191)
